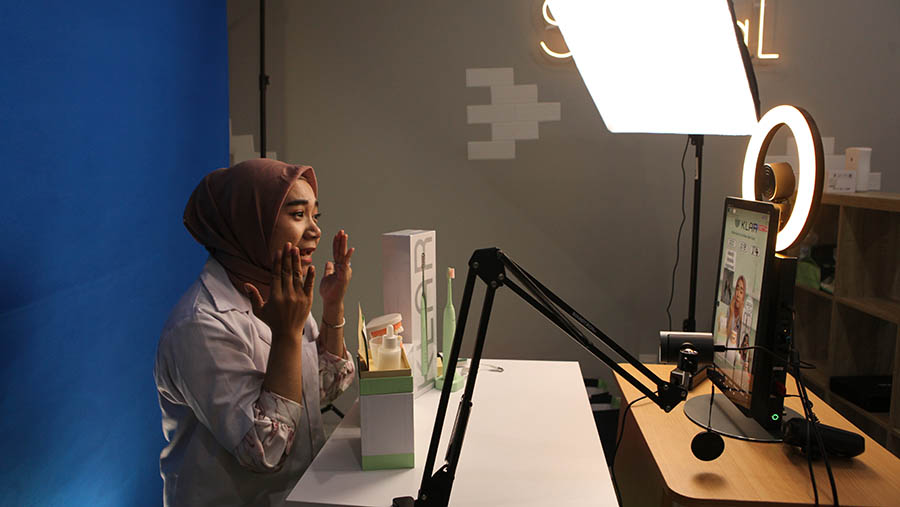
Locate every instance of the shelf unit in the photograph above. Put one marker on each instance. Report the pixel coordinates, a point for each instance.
(856, 331)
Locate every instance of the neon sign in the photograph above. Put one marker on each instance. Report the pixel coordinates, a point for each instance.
(743, 25)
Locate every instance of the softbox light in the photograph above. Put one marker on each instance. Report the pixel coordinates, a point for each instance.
(662, 66)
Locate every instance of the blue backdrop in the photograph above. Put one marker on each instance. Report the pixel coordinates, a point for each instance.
(110, 113)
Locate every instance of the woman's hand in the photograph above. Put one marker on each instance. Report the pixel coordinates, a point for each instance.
(337, 273)
(290, 297)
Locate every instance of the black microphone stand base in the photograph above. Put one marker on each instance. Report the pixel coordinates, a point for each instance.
(728, 421)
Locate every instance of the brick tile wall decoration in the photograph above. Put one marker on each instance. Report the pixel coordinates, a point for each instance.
(514, 113)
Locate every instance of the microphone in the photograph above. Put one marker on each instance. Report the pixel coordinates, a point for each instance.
(707, 445)
(691, 349)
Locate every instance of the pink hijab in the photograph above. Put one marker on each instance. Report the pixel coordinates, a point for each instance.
(232, 212)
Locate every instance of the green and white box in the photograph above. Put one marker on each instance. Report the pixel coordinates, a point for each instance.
(403, 286)
(387, 436)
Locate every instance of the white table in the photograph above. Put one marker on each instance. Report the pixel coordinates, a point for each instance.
(531, 440)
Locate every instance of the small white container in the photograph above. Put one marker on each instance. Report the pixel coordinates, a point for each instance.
(378, 326)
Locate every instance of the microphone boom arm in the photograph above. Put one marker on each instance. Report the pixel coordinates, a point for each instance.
(492, 266)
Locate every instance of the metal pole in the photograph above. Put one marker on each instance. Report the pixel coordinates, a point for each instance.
(263, 79)
(690, 323)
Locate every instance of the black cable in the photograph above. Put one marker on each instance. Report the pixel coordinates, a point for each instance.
(814, 423)
(795, 365)
(712, 394)
(612, 461)
(678, 238)
(807, 416)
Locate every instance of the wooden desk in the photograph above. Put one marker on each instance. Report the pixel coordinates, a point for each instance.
(654, 465)
(531, 441)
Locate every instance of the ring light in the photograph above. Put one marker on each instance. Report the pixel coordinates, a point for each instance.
(809, 150)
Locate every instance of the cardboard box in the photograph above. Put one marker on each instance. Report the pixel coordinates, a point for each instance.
(386, 418)
(402, 290)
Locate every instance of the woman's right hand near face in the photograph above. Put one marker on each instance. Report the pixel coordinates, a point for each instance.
(290, 296)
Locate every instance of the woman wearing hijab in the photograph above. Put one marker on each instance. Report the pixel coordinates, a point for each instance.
(242, 369)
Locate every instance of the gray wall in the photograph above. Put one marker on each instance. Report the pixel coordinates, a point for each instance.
(372, 94)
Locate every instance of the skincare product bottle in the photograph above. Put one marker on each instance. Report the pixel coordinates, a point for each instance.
(389, 354)
(380, 327)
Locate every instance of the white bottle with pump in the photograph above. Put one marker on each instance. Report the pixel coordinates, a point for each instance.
(389, 353)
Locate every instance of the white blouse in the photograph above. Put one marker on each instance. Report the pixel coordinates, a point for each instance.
(231, 442)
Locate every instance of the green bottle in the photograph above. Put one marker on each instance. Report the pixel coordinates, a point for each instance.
(449, 317)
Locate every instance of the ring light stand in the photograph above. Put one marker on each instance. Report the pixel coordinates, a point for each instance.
(723, 416)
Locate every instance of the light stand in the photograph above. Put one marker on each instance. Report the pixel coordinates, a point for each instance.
(263, 79)
(664, 68)
(690, 323)
(492, 266)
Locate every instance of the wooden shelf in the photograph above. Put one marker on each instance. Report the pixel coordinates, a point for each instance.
(816, 376)
(819, 381)
(881, 419)
(870, 200)
(816, 292)
(856, 331)
(884, 309)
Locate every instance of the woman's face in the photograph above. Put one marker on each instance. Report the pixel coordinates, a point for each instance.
(738, 301)
(297, 223)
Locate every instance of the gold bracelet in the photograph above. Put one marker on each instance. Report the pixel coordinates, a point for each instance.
(343, 321)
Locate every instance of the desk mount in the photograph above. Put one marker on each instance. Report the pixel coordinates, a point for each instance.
(496, 269)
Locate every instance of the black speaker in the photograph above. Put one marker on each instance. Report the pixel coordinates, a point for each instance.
(838, 442)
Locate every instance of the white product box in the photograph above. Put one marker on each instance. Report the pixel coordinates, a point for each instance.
(387, 438)
(835, 163)
(874, 182)
(387, 435)
(402, 290)
(840, 181)
(386, 411)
